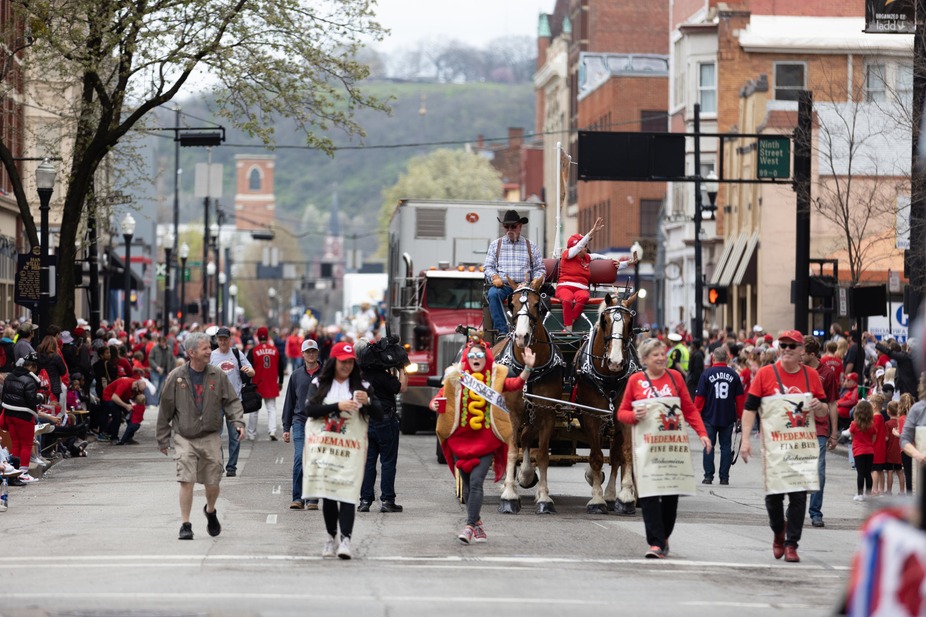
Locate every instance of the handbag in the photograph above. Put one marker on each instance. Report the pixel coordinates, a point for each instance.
(251, 399)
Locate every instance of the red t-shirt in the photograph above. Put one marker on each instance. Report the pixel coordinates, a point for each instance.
(835, 364)
(847, 401)
(831, 388)
(639, 387)
(880, 442)
(765, 383)
(122, 387)
(862, 441)
(892, 455)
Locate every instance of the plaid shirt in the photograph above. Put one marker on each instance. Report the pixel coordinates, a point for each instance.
(513, 261)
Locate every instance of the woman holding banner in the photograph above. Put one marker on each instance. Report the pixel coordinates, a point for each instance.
(784, 394)
(651, 402)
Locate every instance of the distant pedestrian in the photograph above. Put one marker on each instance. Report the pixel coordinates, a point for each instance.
(196, 401)
(863, 433)
(293, 347)
(268, 377)
(233, 364)
(893, 464)
(825, 426)
(720, 398)
(294, 418)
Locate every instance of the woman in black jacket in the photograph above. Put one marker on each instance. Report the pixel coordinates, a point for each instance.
(340, 392)
(20, 404)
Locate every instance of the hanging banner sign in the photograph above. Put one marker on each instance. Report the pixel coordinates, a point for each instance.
(890, 17)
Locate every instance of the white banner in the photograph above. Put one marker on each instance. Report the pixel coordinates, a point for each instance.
(661, 454)
(789, 444)
(483, 390)
(334, 457)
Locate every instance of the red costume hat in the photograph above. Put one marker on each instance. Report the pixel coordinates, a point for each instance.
(573, 240)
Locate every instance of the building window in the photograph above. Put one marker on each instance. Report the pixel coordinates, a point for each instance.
(254, 180)
(654, 121)
(875, 83)
(707, 87)
(789, 80)
(904, 81)
(649, 217)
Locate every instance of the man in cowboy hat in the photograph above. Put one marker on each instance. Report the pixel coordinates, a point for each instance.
(514, 257)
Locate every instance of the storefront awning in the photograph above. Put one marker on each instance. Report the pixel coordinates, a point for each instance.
(724, 256)
(746, 273)
(733, 260)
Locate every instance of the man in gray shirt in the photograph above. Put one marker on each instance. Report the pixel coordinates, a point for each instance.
(23, 345)
(232, 365)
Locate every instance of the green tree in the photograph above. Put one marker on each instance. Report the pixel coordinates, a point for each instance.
(442, 174)
(105, 65)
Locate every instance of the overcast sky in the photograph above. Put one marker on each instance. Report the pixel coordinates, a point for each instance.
(475, 22)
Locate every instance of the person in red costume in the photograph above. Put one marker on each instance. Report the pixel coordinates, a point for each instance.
(473, 431)
(574, 272)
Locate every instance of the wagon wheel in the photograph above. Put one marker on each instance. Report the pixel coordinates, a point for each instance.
(737, 441)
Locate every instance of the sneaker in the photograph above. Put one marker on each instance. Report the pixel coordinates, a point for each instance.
(364, 506)
(390, 506)
(466, 536)
(311, 504)
(273, 437)
(791, 554)
(817, 522)
(43, 428)
(654, 552)
(479, 533)
(103, 437)
(297, 505)
(212, 526)
(3, 507)
(858, 498)
(344, 548)
(231, 474)
(724, 482)
(25, 478)
(38, 460)
(330, 547)
(707, 480)
(186, 531)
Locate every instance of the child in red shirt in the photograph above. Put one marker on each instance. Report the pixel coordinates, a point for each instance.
(879, 444)
(892, 462)
(863, 433)
(134, 422)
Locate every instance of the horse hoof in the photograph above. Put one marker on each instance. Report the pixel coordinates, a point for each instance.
(612, 505)
(625, 509)
(545, 507)
(531, 483)
(509, 506)
(588, 476)
(596, 508)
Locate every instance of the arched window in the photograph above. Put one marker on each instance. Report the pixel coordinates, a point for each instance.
(254, 179)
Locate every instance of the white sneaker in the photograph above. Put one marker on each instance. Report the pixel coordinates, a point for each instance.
(38, 460)
(3, 507)
(329, 550)
(858, 498)
(344, 548)
(27, 479)
(42, 429)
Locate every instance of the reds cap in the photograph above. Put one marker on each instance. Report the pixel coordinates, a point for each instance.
(852, 377)
(343, 351)
(263, 333)
(791, 335)
(309, 344)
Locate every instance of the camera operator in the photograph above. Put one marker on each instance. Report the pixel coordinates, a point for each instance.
(387, 382)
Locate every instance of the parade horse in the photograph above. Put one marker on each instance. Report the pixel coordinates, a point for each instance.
(531, 424)
(603, 365)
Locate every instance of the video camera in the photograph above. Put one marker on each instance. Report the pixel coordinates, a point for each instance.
(386, 353)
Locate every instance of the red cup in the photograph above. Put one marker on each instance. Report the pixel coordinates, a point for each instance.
(441, 404)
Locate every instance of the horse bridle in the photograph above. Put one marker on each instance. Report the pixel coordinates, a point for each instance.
(617, 308)
(524, 290)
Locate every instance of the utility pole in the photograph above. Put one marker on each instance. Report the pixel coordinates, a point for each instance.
(802, 160)
(916, 256)
(698, 326)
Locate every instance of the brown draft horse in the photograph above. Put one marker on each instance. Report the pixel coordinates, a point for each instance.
(603, 364)
(530, 423)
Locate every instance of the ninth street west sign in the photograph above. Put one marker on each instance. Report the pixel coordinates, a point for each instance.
(774, 158)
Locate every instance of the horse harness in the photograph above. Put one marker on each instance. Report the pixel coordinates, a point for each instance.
(607, 384)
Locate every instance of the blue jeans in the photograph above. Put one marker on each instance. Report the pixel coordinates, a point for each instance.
(158, 382)
(130, 430)
(384, 444)
(233, 447)
(816, 499)
(298, 435)
(724, 434)
(498, 297)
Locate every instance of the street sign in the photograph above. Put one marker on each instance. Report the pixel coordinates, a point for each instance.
(161, 271)
(774, 157)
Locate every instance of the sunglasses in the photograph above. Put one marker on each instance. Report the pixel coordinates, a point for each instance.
(476, 355)
(511, 225)
(789, 345)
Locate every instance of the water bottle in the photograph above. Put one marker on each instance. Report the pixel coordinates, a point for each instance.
(4, 497)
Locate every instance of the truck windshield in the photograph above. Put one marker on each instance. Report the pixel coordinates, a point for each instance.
(454, 293)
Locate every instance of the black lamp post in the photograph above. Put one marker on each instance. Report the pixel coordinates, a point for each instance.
(214, 234)
(169, 240)
(184, 254)
(128, 230)
(45, 182)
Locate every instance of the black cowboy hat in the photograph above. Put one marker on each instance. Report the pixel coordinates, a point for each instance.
(511, 216)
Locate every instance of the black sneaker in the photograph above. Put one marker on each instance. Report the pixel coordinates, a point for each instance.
(390, 506)
(707, 480)
(724, 482)
(213, 526)
(186, 531)
(364, 505)
(817, 522)
(231, 474)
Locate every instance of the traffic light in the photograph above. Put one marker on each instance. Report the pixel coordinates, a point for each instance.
(82, 274)
(716, 295)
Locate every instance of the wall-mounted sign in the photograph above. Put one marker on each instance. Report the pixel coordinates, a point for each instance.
(890, 16)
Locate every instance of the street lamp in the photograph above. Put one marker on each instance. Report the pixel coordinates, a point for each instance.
(169, 240)
(272, 294)
(207, 310)
(128, 230)
(711, 186)
(233, 296)
(221, 288)
(184, 254)
(45, 183)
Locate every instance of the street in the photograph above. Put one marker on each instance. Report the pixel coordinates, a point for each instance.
(99, 536)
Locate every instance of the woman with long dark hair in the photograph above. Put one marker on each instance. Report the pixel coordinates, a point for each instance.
(52, 363)
(340, 392)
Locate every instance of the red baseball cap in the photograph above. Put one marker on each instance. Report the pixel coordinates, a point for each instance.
(573, 240)
(343, 351)
(852, 377)
(263, 333)
(791, 335)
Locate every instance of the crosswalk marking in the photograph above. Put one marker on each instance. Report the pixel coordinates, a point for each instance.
(276, 490)
(271, 519)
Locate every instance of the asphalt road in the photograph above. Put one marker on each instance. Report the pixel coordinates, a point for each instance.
(98, 536)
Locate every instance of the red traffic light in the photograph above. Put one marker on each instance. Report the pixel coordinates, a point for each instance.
(716, 295)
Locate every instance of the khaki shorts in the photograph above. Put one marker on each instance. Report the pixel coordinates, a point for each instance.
(199, 459)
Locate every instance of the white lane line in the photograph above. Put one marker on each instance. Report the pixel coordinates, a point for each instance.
(276, 490)
(775, 605)
(280, 460)
(598, 524)
(271, 519)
